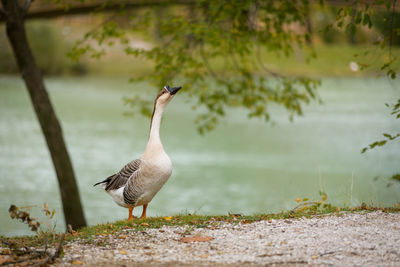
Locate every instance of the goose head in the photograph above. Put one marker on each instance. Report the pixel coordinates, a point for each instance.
(165, 95)
(172, 90)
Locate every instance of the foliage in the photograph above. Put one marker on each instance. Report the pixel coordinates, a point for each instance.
(213, 49)
(395, 111)
(360, 14)
(194, 37)
(381, 23)
(395, 178)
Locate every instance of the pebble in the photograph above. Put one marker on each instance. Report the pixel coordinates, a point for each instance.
(351, 239)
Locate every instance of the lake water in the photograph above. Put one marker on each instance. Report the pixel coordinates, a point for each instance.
(244, 166)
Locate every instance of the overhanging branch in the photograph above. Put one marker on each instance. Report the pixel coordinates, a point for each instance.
(104, 6)
(49, 13)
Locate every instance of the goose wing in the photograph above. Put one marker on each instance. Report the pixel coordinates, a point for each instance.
(119, 179)
(133, 189)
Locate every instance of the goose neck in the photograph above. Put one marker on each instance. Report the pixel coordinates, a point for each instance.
(154, 137)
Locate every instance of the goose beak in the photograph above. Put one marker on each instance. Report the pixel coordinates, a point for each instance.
(172, 90)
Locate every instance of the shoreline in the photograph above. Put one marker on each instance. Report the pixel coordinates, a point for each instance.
(326, 235)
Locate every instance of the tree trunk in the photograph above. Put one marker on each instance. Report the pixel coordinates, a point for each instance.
(51, 128)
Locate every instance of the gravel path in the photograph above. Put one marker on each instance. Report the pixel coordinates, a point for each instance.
(352, 239)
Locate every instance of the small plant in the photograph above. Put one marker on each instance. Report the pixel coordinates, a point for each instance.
(50, 223)
(24, 217)
(320, 206)
(23, 255)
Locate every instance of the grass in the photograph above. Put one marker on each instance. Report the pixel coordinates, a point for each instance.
(89, 234)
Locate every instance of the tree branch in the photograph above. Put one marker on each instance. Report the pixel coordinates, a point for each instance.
(259, 60)
(123, 5)
(98, 6)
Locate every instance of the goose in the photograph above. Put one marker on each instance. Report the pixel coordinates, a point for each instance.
(139, 181)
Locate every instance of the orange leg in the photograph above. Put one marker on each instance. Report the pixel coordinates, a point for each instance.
(144, 211)
(130, 213)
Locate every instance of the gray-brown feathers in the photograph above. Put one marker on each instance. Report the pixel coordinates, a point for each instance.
(133, 190)
(120, 179)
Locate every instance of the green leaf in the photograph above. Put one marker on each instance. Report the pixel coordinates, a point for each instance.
(387, 135)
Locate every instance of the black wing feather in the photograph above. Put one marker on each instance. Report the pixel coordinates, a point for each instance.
(104, 181)
(119, 179)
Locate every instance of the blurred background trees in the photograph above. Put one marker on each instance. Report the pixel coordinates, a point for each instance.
(203, 45)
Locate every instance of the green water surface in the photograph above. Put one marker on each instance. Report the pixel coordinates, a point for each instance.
(244, 166)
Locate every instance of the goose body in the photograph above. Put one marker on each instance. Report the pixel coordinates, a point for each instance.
(139, 181)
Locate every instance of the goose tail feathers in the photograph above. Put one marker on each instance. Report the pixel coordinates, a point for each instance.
(106, 181)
